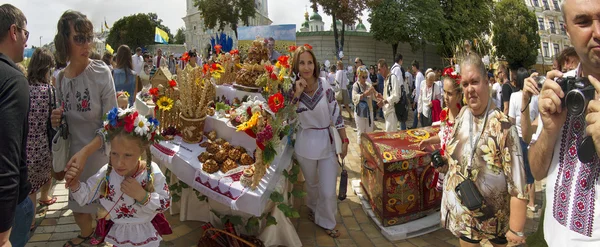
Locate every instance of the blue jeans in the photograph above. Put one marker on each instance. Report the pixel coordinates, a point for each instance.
(528, 175)
(415, 119)
(402, 125)
(23, 218)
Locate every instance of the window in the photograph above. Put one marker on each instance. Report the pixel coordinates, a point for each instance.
(541, 23)
(562, 28)
(546, 6)
(556, 5)
(556, 49)
(552, 27)
(546, 52)
(536, 3)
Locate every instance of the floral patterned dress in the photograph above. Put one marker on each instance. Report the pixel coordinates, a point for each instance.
(497, 170)
(132, 221)
(39, 157)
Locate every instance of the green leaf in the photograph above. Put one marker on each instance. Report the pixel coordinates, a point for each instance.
(286, 174)
(175, 197)
(295, 169)
(294, 214)
(236, 220)
(271, 220)
(252, 224)
(269, 153)
(276, 197)
(183, 185)
(298, 193)
(294, 179)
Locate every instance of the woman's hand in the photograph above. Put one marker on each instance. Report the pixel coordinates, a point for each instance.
(514, 239)
(530, 88)
(77, 162)
(423, 144)
(71, 174)
(344, 150)
(442, 169)
(133, 189)
(300, 86)
(56, 117)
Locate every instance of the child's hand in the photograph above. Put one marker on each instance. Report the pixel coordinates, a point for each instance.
(72, 174)
(133, 189)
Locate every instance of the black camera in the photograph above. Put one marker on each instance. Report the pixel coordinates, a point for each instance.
(578, 93)
(437, 159)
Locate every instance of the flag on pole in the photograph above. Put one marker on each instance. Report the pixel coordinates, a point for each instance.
(109, 49)
(161, 36)
(106, 24)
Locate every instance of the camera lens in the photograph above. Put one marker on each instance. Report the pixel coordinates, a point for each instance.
(540, 81)
(576, 102)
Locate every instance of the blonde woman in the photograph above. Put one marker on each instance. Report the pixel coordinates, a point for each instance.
(363, 94)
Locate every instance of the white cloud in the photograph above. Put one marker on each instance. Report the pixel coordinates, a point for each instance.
(43, 15)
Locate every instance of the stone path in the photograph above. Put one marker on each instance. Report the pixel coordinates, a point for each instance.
(56, 224)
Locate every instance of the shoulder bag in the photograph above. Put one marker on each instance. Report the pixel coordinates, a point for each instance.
(61, 142)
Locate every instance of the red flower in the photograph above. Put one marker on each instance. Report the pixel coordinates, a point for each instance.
(153, 91)
(292, 48)
(214, 67)
(205, 68)
(444, 114)
(185, 57)
(283, 60)
(234, 52)
(249, 111)
(172, 83)
(129, 121)
(276, 102)
(273, 76)
(218, 48)
(84, 104)
(269, 68)
(308, 46)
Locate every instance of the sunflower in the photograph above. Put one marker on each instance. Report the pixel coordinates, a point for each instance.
(391, 222)
(164, 103)
(387, 156)
(411, 198)
(392, 201)
(405, 164)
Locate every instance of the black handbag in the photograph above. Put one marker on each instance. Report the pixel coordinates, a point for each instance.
(469, 194)
(50, 132)
(343, 183)
(400, 107)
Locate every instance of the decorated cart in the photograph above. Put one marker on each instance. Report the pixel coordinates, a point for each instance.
(228, 157)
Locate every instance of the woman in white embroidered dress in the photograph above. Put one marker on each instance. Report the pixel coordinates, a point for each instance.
(314, 148)
(132, 191)
(363, 94)
(425, 105)
(453, 97)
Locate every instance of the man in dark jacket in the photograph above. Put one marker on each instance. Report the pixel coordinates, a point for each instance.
(14, 109)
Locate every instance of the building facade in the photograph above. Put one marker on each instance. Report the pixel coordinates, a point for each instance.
(553, 36)
(197, 37)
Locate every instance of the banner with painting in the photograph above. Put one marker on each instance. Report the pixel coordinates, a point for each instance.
(277, 37)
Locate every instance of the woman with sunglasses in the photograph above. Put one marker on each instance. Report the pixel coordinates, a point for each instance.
(85, 90)
(363, 94)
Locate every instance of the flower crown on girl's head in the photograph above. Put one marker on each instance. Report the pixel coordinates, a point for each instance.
(130, 121)
(449, 72)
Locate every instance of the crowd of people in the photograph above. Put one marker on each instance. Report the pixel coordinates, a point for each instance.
(500, 131)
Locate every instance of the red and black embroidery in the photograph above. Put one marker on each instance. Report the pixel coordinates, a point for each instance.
(83, 100)
(164, 204)
(125, 211)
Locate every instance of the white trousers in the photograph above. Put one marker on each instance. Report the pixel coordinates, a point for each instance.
(391, 122)
(362, 125)
(321, 179)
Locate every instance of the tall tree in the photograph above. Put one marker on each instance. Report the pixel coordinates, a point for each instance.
(135, 31)
(347, 11)
(223, 13)
(180, 36)
(515, 33)
(395, 21)
(466, 20)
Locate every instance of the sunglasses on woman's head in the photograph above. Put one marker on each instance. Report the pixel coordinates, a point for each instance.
(82, 39)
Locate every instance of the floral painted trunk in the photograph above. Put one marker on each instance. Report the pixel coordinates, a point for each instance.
(397, 177)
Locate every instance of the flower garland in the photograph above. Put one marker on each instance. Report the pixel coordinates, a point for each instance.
(449, 72)
(130, 121)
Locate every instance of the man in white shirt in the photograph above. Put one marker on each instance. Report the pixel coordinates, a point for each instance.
(397, 71)
(391, 96)
(341, 80)
(417, 92)
(138, 61)
(159, 60)
(573, 189)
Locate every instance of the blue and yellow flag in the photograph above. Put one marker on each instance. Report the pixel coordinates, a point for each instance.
(109, 49)
(161, 36)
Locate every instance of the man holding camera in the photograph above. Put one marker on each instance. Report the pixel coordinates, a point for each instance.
(573, 189)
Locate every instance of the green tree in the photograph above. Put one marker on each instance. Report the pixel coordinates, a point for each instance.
(395, 21)
(135, 31)
(180, 36)
(515, 33)
(223, 13)
(347, 11)
(465, 20)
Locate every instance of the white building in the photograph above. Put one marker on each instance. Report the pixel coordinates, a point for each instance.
(553, 37)
(197, 37)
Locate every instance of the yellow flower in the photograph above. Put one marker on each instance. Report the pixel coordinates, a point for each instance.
(391, 222)
(405, 164)
(411, 198)
(387, 155)
(164, 103)
(250, 123)
(391, 201)
(278, 65)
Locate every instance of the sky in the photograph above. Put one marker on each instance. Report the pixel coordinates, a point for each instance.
(42, 15)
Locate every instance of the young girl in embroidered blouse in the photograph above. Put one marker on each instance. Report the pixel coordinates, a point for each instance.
(131, 190)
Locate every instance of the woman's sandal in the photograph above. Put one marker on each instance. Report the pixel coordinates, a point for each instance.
(333, 233)
(48, 202)
(85, 239)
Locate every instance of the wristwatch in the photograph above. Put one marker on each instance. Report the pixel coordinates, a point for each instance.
(519, 234)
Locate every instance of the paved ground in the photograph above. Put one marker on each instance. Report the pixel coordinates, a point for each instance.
(56, 224)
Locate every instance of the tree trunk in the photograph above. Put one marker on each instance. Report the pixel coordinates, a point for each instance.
(335, 37)
(343, 31)
(394, 50)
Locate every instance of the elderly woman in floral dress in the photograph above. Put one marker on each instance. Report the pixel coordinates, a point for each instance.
(485, 149)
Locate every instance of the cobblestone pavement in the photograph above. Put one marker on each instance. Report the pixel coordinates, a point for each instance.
(55, 224)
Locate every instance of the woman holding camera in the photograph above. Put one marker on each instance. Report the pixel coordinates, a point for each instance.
(453, 97)
(484, 194)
